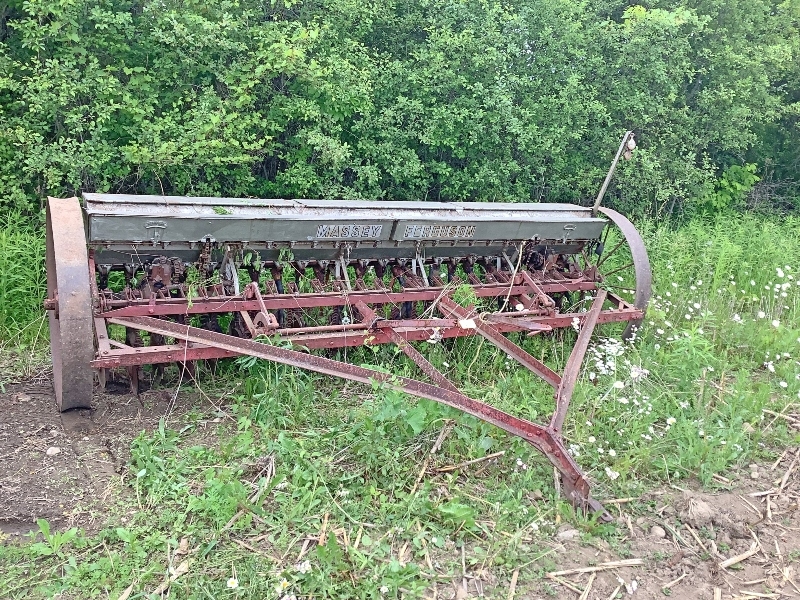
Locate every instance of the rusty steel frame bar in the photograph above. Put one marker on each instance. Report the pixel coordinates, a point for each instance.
(387, 327)
(574, 362)
(360, 337)
(543, 438)
(128, 356)
(488, 331)
(172, 306)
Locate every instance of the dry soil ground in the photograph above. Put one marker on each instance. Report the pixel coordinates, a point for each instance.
(66, 470)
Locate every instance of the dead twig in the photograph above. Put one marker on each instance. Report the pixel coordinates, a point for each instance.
(251, 548)
(445, 431)
(751, 507)
(696, 537)
(127, 593)
(585, 594)
(567, 584)
(674, 582)
(323, 530)
(786, 475)
(754, 549)
(777, 462)
(466, 463)
(614, 564)
(512, 587)
(621, 500)
(615, 592)
(181, 569)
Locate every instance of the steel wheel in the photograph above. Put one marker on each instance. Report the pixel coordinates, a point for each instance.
(71, 329)
(624, 266)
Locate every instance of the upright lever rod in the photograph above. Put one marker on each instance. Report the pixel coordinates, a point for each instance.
(627, 146)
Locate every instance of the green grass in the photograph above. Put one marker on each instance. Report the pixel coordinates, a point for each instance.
(301, 456)
(23, 285)
(23, 280)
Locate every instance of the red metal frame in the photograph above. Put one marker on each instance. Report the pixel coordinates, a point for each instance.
(161, 303)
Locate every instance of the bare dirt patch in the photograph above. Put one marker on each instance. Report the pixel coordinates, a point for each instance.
(737, 543)
(66, 468)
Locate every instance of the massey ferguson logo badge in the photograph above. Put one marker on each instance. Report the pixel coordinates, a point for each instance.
(439, 231)
(349, 231)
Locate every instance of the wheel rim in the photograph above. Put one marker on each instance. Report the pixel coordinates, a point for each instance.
(71, 330)
(625, 267)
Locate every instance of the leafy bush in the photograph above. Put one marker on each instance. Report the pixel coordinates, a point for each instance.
(435, 100)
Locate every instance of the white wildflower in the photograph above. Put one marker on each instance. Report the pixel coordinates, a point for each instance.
(619, 385)
(233, 583)
(303, 567)
(612, 474)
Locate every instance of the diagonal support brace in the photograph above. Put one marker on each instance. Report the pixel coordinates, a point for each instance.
(369, 315)
(450, 309)
(573, 368)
